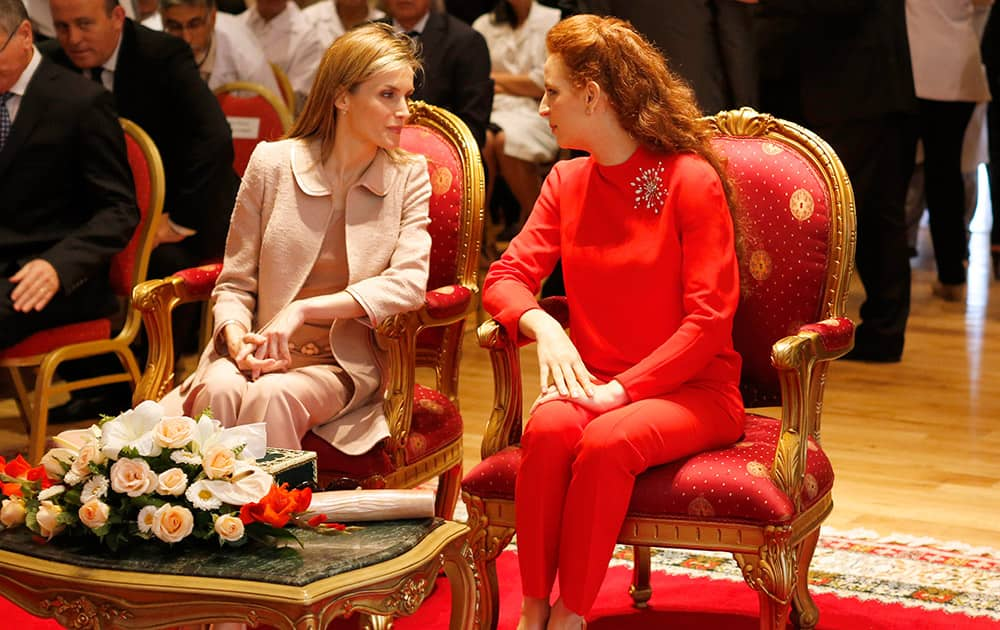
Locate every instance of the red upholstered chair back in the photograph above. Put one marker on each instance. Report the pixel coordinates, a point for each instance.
(254, 114)
(128, 267)
(792, 214)
(455, 205)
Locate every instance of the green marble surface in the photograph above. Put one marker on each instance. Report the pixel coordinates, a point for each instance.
(320, 557)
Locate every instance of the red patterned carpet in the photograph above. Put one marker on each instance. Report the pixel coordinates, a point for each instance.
(858, 580)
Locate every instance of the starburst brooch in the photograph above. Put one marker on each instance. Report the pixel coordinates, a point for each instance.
(649, 189)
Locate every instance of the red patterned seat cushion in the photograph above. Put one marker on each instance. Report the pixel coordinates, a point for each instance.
(45, 341)
(201, 280)
(729, 484)
(436, 423)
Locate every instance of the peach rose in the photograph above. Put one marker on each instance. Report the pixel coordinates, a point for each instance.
(12, 512)
(174, 431)
(172, 523)
(48, 525)
(229, 527)
(94, 513)
(89, 454)
(172, 482)
(218, 462)
(133, 477)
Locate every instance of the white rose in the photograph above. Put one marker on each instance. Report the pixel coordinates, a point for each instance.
(172, 482)
(12, 512)
(94, 513)
(47, 516)
(229, 527)
(218, 462)
(57, 461)
(145, 519)
(174, 431)
(172, 523)
(133, 477)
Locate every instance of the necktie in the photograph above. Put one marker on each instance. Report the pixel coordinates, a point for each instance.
(5, 122)
(95, 74)
(414, 35)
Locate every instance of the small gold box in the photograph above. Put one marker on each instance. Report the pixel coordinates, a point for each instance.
(287, 466)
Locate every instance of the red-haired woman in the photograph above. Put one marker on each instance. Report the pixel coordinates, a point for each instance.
(648, 373)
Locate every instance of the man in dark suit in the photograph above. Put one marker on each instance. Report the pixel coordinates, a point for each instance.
(66, 191)
(456, 62)
(856, 92)
(156, 84)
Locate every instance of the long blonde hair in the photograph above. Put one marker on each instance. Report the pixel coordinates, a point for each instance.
(352, 59)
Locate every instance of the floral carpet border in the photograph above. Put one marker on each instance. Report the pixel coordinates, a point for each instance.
(898, 569)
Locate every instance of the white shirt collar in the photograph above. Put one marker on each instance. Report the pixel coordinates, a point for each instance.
(417, 28)
(29, 71)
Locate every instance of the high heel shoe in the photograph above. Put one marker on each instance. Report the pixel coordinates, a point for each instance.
(995, 259)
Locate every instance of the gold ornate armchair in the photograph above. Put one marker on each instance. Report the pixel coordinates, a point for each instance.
(763, 498)
(47, 349)
(424, 421)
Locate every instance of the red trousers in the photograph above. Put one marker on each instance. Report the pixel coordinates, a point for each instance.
(577, 473)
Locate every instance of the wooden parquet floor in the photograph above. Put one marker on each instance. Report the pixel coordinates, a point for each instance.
(915, 445)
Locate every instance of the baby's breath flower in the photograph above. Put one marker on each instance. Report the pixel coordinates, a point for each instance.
(185, 457)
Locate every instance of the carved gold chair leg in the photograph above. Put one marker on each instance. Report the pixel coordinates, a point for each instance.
(641, 589)
(449, 486)
(805, 613)
(772, 572)
(374, 622)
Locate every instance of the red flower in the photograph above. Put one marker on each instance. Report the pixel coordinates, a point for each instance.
(18, 468)
(277, 507)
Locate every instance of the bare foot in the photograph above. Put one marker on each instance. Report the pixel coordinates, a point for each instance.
(534, 614)
(562, 618)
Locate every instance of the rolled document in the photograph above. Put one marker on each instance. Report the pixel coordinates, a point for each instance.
(349, 506)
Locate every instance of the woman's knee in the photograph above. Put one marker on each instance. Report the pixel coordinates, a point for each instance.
(556, 424)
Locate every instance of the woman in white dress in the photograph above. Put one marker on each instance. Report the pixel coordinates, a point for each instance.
(519, 138)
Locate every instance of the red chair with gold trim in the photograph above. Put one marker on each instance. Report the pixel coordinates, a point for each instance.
(255, 114)
(424, 421)
(47, 349)
(763, 498)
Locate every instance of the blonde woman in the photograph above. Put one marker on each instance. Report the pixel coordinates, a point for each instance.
(328, 237)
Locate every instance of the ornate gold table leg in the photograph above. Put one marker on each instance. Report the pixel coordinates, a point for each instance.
(467, 592)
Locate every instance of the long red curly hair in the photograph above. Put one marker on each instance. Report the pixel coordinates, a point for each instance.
(652, 103)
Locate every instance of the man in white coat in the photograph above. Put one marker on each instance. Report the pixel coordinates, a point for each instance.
(331, 18)
(289, 41)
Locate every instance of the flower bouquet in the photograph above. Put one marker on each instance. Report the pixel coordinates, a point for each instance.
(144, 475)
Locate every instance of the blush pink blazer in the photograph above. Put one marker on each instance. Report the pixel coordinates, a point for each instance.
(282, 211)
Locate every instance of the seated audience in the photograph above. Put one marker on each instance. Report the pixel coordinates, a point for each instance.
(224, 48)
(41, 17)
(518, 139)
(329, 237)
(332, 18)
(289, 41)
(456, 62)
(645, 232)
(68, 197)
(154, 82)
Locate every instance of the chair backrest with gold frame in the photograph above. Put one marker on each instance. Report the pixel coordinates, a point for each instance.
(47, 349)
(796, 225)
(424, 422)
(255, 113)
(287, 91)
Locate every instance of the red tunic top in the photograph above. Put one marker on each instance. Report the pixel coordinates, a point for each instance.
(650, 270)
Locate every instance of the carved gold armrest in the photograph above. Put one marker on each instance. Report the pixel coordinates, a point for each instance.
(504, 425)
(802, 361)
(397, 337)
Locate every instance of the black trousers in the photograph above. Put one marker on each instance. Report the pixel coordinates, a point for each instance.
(878, 154)
(91, 300)
(942, 130)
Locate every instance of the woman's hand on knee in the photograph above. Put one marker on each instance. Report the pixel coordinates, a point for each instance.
(253, 359)
(558, 359)
(605, 397)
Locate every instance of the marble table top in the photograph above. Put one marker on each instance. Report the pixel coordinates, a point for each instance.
(321, 556)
